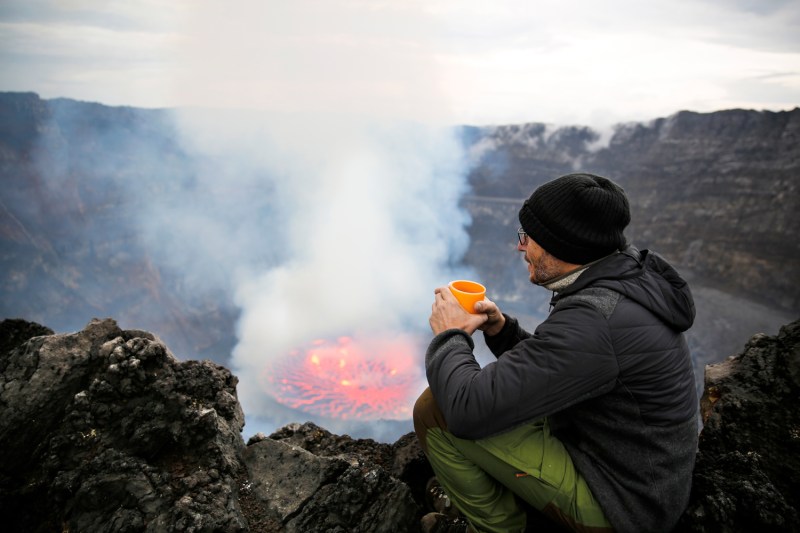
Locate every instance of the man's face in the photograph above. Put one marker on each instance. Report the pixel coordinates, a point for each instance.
(542, 267)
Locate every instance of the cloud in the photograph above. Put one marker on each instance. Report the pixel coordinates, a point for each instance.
(603, 63)
(340, 56)
(746, 24)
(451, 61)
(63, 49)
(132, 15)
(446, 61)
(768, 89)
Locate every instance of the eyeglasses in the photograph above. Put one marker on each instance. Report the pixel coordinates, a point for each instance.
(522, 236)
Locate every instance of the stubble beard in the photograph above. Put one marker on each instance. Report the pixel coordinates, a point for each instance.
(544, 269)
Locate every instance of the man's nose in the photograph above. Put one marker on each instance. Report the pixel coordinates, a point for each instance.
(520, 247)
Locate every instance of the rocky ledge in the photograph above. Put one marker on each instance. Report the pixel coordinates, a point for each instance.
(105, 430)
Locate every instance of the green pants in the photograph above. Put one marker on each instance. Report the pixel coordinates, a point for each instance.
(486, 478)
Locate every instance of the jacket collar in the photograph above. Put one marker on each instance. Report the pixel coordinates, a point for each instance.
(623, 263)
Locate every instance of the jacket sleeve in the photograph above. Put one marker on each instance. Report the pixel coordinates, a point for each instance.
(569, 358)
(507, 338)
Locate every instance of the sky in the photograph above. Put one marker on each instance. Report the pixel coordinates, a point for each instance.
(446, 61)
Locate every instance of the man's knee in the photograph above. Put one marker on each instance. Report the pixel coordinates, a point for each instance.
(427, 415)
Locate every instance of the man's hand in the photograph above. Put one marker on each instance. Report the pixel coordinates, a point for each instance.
(447, 313)
(495, 320)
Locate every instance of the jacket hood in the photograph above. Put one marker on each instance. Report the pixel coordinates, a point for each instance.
(646, 278)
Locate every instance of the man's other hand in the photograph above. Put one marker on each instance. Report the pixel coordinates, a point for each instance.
(495, 319)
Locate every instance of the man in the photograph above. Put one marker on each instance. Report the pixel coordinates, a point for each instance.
(592, 419)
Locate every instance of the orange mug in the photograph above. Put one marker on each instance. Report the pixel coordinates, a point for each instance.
(467, 293)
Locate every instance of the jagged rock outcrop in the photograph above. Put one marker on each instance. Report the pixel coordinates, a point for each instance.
(344, 485)
(747, 476)
(104, 430)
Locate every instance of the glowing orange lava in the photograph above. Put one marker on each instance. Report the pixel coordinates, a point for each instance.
(348, 378)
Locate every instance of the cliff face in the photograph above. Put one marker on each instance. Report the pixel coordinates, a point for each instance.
(78, 179)
(717, 193)
(103, 430)
(720, 193)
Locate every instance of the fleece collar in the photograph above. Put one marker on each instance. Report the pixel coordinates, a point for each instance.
(565, 280)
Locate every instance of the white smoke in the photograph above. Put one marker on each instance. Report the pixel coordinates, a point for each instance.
(349, 195)
(364, 222)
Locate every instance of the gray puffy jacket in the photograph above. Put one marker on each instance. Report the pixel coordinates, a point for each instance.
(610, 368)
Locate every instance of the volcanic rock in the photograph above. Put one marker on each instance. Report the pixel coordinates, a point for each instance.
(747, 475)
(105, 430)
(307, 492)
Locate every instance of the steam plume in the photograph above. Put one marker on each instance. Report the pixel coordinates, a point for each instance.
(365, 224)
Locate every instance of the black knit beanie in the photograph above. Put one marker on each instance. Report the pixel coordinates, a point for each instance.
(578, 218)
